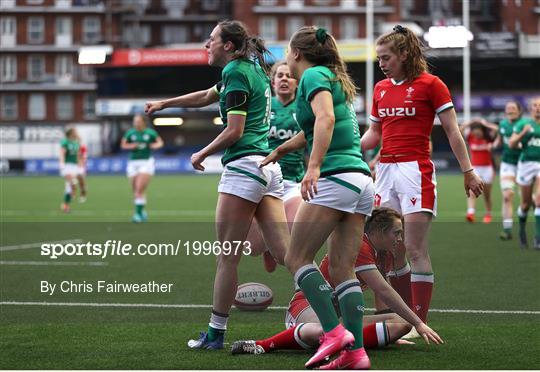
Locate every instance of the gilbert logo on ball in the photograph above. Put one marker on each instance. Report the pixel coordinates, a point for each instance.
(253, 297)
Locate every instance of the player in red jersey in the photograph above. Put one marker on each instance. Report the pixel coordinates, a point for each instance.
(404, 108)
(383, 233)
(480, 135)
(81, 174)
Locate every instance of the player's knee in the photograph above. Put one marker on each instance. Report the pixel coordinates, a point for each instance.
(293, 262)
(417, 256)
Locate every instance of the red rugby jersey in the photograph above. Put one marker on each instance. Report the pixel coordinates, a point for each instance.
(406, 111)
(480, 151)
(367, 259)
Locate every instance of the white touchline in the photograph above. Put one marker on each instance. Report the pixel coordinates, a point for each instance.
(37, 244)
(54, 263)
(202, 306)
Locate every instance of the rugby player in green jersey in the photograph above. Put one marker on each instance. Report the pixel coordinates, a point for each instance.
(140, 141)
(527, 133)
(509, 161)
(245, 190)
(283, 126)
(69, 165)
(338, 192)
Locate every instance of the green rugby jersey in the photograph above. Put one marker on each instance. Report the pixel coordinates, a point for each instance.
(530, 142)
(344, 153)
(509, 155)
(72, 150)
(143, 139)
(242, 75)
(283, 126)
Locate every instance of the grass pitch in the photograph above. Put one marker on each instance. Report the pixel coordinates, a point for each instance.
(474, 271)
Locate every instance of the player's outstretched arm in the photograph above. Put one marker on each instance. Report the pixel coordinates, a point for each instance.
(201, 98)
(296, 143)
(391, 298)
(472, 182)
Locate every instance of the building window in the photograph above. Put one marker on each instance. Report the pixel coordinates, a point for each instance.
(321, 2)
(36, 106)
(293, 25)
(348, 4)
(34, 2)
(64, 106)
(88, 73)
(9, 109)
(349, 28)
(210, 4)
(91, 30)
(66, 4)
(174, 34)
(64, 34)
(7, 4)
(8, 31)
(8, 68)
(268, 28)
(35, 30)
(175, 8)
(64, 68)
(323, 22)
(295, 4)
(36, 67)
(268, 2)
(136, 36)
(89, 106)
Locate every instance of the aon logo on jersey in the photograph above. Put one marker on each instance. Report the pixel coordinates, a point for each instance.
(397, 111)
(281, 133)
(534, 142)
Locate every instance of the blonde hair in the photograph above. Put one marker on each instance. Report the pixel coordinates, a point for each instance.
(404, 41)
(320, 48)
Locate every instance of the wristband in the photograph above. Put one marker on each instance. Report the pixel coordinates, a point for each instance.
(468, 170)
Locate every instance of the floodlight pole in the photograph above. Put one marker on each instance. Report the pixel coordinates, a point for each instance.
(369, 59)
(466, 66)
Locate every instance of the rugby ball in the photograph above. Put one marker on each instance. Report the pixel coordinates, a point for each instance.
(253, 297)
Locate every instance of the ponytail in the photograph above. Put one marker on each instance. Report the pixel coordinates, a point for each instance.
(246, 46)
(320, 48)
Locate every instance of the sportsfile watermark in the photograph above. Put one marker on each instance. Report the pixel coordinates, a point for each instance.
(111, 248)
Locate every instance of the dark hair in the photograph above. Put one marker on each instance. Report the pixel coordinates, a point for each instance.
(319, 47)
(402, 40)
(381, 219)
(518, 105)
(246, 46)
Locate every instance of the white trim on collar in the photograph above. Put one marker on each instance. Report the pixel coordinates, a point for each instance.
(397, 82)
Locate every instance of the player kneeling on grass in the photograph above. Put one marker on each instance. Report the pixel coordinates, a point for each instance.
(383, 235)
(69, 160)
(140, 140)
